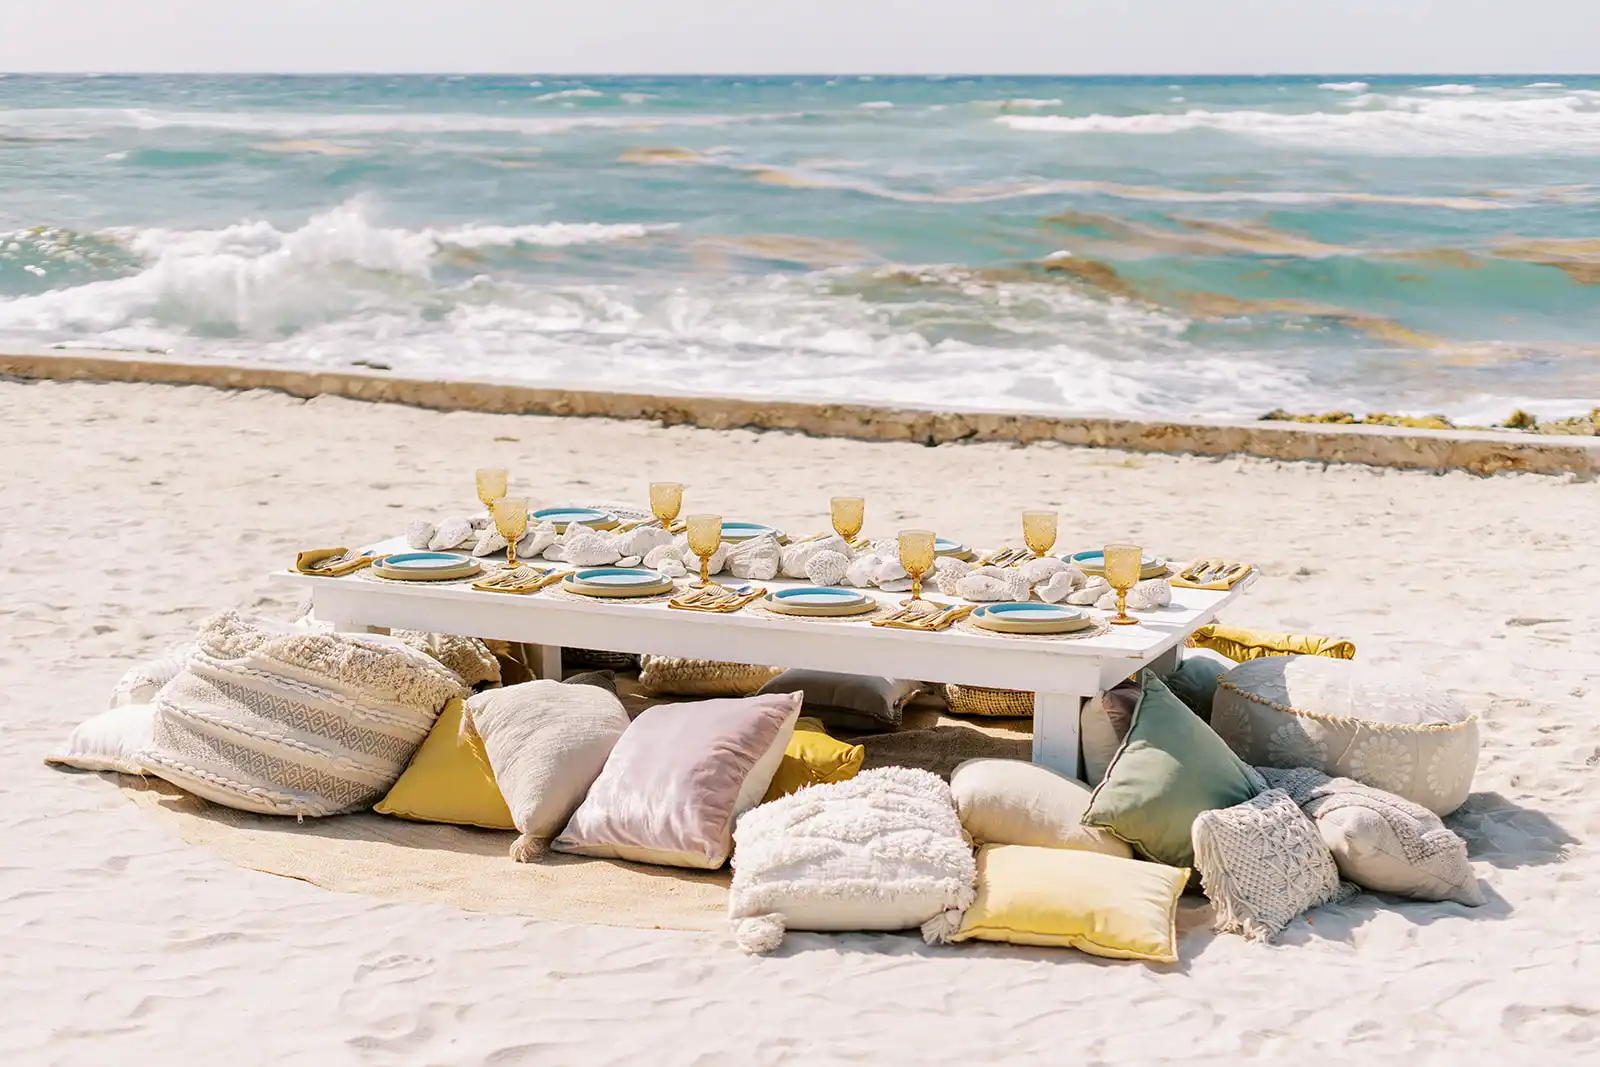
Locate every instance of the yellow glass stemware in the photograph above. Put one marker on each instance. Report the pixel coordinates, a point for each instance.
(511, 520)
(705, 537)
(1039, 531)
(1123, 565)
(666, 500)
(916, 556)
(491, 485)
(849, 514)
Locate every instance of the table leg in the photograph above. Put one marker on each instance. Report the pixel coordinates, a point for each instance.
(1055, 731)
(548, 661)
(1168, 661)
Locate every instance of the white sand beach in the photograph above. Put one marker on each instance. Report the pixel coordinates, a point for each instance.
(130, 512)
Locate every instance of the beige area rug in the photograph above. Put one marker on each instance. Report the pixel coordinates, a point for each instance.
(378, 856)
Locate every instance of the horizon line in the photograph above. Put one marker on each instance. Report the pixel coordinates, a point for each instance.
(354, 72)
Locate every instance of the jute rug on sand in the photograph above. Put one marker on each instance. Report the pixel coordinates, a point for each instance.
(378, 856)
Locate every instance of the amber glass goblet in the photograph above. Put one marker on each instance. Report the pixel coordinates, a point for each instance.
(491, 485)
(511, 519)
(916, 556)
(1123, 564)
(1039, 531)
(705, 537)
(849, 514)
(666, 500)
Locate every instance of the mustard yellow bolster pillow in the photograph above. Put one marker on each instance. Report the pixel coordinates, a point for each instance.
(1239, 644)
(449, 780)
(813, 758)
(1103, 905)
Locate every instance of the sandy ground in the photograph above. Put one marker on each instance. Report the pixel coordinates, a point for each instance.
(130, 512)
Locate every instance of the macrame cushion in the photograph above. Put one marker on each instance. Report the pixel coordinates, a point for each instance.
(269, 718)
(1262, 863)
(140, 684)
(673, 676)
(679, 777)
(1014, 802)
(882, 851)
(467, 656)
(1380, 841)
(1399, 733)
(110, 741)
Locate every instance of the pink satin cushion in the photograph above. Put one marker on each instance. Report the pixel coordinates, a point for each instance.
(679, 777)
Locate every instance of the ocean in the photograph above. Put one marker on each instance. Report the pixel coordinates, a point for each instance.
(1154, 246)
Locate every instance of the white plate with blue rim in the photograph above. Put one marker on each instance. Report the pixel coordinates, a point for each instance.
(737, 532)
(425, 566)
(1030, 618)
(943, 546)
(562, 517)
(616, 582)
(1094, 562)
(819, 600)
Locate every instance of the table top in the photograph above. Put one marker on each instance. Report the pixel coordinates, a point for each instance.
(629, 623)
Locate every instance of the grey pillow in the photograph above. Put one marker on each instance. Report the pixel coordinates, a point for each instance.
(606, 680)
(851, 703)
(1195, 682)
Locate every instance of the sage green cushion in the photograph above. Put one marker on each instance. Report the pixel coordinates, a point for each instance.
(1170, 768)
(1195, 682)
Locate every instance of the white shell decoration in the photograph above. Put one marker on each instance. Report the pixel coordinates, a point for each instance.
(489, 540)
(757, 558)
(639, 542)
(481, 521)
(827, 567)
(885, 548)
(888, 570)
(795, 557)
(1056, 588)
(1090, 592)
(452, 533)
(583, 547)
(861, 569)
(658, 556)
(537, 540)
(628, 561)
(672, 567)
(419, 534)
(983, 587)
(1042, 569)
(1146, 596)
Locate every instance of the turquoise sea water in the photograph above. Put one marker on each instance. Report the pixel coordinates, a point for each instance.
(1211, 246)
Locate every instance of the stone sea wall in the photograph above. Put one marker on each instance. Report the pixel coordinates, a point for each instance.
(1478, 452)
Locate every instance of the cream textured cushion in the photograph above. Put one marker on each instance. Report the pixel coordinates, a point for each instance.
(140, 684)
(672, 676)
(1262, 863)
(1013, 802)
(882, 851)
(110, 741)
(1398, 733)
(679, 777)
(1380, 841)
(547, 742)
(268, 718)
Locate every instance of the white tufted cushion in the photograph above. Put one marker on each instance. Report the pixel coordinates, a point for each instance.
(1395, 732)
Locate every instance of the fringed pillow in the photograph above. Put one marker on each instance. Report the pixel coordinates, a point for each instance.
(1262, 863)
(882, 851)
(671, 675)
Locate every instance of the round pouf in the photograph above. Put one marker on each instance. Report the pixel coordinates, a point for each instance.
(1400, 733)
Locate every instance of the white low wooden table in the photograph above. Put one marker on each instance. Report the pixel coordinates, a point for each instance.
(1061, 674)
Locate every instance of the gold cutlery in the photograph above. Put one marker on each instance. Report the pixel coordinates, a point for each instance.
(520, 580)
(717, 599)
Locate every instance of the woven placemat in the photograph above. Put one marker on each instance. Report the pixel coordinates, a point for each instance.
(368, 575)
(555, 591)
(756, 610)
(1095, 629)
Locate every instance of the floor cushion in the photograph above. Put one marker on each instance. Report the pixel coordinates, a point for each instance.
(882, 851)
(449, 780)
(676, 676)
(1168, 770)
(1104, 905)
(813, 758)
(547, 742)
(679, 777)
(1397, 732)
(469, 657)
(140, 683)
(270, 718)
(1262, 863)
(1195, 680)
(109, 741)
(851, 703)
(1014, 802)
(1103, 724)
(1380, 841)
(1240, 644)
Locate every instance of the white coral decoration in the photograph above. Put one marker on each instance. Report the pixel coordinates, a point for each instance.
(641, 541)
(662, 554)
(1059, 586)
(489, 540)
(827, 568)
(672, 567)
(861, 569)
(757, 558)
(948, 572)
(1042, 569)
(537, 540)
(795, 557)
(1091, 591)
(452, 533)
(1146, 596)
(985, 588)
(419, 533)
(583, 547)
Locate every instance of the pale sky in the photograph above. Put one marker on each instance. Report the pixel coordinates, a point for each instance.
(804, 36)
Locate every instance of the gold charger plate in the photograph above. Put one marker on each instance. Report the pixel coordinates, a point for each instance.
(780, 606)
(613, 592)
(1002, 625)
(465, 569)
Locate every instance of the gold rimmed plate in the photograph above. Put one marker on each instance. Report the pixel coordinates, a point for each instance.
(425, 566)
(617, 582)
(1095, 563)
(1029, 618)
(819, 600)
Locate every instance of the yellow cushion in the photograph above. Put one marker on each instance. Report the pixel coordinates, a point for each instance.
(1104, 905)
(449, 780)
(1239, 644)
(813, 758)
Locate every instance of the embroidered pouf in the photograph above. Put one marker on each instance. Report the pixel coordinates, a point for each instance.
(1393, 731)
(271, 719)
